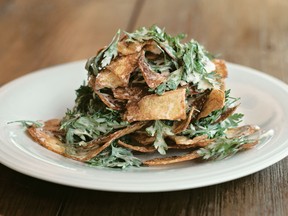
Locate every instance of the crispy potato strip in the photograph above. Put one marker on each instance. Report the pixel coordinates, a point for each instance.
(130, 93)
(180, 126)
(226, 114)
(52, 125)
(171, 106)
(245, 130)
(109, 101)
(172, 159)
(49, 141)
(152, 78)
(144, 149)
(128, 48)
(215, 101)
(143, 138)
(183, 140)
(107, 79)
(123, 66)
(222, 71)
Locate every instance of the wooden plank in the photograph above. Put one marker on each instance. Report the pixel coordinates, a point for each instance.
(252, 33)
(23, 195)
(40, 34)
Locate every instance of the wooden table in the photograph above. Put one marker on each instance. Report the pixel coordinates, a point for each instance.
(36, 34)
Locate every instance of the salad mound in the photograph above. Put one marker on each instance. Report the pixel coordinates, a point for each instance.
(149, 100)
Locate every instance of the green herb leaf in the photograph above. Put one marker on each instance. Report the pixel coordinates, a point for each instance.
(222, 148)
(160, 130)
(172, 82)
(196, 62)
(111, 51)
(116, 157)
(104, 57)
(89, 118)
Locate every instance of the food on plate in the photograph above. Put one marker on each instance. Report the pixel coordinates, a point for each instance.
(149, 100)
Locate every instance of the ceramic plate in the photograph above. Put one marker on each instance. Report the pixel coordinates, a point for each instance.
(48, 93)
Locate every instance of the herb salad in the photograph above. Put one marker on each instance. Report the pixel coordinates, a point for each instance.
(148, 93)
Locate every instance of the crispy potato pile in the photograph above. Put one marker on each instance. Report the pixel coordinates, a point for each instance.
(170, 99)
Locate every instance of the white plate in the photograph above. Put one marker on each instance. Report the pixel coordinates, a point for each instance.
(47, 93)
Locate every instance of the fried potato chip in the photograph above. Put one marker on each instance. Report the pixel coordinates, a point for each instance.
(144, 149)
(215, 101)
(183, 140)
(221, 68)
(244, 131)
(52, 125)
(198, 102)
(249, 145)
(180, 126)
(130, 129)
(152, 78)
(222, 71)
(152, 47)
(171, 106)
(130, 93)
(172, 159)
(226, 114)
(143, 138)
(107, 79)
(128, 48)
(123, 66)
(47, 140)
(110, 102)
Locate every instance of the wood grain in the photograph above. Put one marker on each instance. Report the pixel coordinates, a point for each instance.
(38, 34)
(237, 31)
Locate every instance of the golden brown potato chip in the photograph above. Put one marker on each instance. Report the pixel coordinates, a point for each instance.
(226, 114)
(152, 47)
(180, 126)
(221, 68)
(215, 101)
(137, 148)
(110, 102)
(172, 159)
(222, 71)
(107, 79)
(123, 66)
(184, 140)
(128, 48)
(245, 130)
(171, 106)
(249, 145)
(143, 138)
(47, 139)
(130, 93)
(152, 78)
(198, 102)
(94, 152)
(52, 125)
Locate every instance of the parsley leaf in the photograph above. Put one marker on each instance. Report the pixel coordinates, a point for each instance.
(89, 118)
(196, 61)
(104, 57)
(222, 148)
(172, 82)
(116, 157)
(160, 130)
